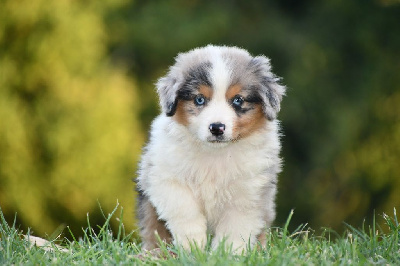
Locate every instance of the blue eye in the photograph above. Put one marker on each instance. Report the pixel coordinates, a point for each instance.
(237, 101)
(199, 99)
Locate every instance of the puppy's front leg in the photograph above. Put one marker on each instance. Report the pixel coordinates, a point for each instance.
(176, 204)
(238, 227)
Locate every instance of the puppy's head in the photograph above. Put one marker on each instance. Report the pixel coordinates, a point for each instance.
(221, 94)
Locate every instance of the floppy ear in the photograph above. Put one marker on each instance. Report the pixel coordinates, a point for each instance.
(270, 90)
(167, 88)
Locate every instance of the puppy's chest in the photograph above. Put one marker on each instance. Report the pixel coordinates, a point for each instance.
(214, 195)
(218, 178)
(217, 181)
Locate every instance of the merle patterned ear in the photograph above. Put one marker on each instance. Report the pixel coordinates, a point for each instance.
(167, 88)
(270, 90)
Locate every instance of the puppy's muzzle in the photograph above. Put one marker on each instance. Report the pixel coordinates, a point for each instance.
(217, 129)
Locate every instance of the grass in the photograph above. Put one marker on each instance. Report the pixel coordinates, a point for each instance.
(302, 247)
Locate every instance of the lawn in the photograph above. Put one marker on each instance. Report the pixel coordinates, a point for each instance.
(375, 244)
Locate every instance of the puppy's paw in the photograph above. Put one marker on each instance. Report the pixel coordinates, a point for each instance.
(189, 240)
(239, 246)
(236, 245)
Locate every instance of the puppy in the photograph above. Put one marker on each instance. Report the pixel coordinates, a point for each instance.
(212, 161)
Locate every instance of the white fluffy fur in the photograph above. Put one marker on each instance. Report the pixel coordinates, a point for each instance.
(226, 189)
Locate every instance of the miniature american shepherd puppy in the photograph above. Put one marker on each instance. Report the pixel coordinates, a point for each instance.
(212, 160)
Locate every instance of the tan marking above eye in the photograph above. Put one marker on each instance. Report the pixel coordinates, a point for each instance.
(232, 91)
(206, 91)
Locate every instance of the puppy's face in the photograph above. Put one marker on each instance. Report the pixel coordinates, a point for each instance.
(220, 116)
(220, 94)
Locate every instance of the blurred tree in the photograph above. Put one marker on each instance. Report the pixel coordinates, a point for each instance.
(340, 78)
(68, 134)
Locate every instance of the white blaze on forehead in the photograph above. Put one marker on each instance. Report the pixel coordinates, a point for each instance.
(218, 109)
(220, 75)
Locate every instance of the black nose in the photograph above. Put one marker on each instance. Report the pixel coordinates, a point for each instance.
(217, 129)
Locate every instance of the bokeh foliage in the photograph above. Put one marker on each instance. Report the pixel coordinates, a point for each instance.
(68, 134)
(72, 119)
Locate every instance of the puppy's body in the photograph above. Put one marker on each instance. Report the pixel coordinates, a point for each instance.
(212, 161)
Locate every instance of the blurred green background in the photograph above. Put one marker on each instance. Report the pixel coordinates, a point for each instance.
(77, 98)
